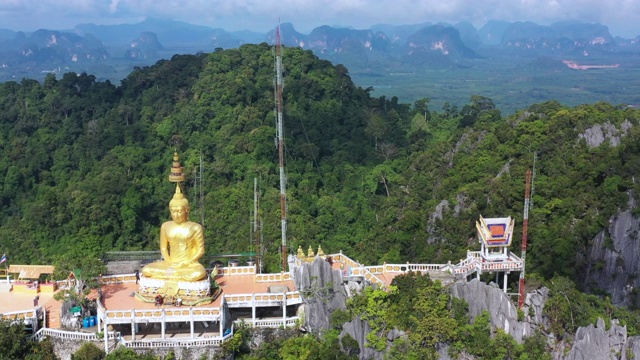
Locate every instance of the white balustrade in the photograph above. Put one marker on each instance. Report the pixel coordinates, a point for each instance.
(269, 323)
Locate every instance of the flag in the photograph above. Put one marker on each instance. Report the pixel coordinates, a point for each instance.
(3, 258)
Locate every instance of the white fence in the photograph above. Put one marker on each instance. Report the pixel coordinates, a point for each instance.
(471, 264)
(173, 343)
(72, 335)
(162, 314)
(269, 323)
(263, 299)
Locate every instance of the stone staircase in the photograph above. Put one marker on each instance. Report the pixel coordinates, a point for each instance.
(53, 317)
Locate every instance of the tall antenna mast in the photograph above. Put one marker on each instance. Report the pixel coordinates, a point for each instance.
(201, 193)
(283, 196)
(525, 230)
(198, 199)
(533, 177)
(256, 225)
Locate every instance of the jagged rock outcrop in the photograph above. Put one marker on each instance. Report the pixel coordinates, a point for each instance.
(611, 263)
(358, 329)
(597, 342)
(534, 308)
(504, 314)
(322, 290)
(632, 348)
(597, 134)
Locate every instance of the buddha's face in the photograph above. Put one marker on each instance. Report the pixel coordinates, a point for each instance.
(179, 214)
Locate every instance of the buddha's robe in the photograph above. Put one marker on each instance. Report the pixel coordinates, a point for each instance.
(181, 246)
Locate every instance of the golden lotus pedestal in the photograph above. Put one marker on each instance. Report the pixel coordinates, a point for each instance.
(177, 293)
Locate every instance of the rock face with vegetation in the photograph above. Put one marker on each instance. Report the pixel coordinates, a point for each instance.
(596, 342)
(612, 263)
(502, 312)
(323, 293)
(83, 164)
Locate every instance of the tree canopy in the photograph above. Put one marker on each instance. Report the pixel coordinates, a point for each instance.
(84, 164)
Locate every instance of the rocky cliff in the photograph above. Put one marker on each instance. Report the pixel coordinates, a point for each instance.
(611, 263)
(504, 314)
(323, 292)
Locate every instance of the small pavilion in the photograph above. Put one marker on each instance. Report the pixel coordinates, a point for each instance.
(495, 236)
(28, 277)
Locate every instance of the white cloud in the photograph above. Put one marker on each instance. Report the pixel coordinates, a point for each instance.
(261, 15)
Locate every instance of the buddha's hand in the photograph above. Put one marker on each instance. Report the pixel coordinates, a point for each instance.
(169, 272)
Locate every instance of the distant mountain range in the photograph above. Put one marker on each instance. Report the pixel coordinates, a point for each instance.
(114, 48)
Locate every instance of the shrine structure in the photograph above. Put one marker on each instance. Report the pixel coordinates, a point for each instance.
(178, 278)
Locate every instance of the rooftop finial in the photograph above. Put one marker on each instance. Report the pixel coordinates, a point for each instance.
(176, 174)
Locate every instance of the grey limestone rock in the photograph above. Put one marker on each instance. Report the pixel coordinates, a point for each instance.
(322, 291)
(632, 349)
(596, 342)
(358, 329)
(612, 263)
(504, 314)
(534, 307)
(597, 134)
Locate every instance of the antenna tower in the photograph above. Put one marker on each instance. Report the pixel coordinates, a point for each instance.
(257, 226)
(525, 230)
(280, 138)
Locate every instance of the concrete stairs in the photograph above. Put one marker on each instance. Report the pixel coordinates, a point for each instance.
(53, 317)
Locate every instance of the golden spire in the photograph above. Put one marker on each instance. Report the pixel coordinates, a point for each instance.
(179, 199)
(176, 174)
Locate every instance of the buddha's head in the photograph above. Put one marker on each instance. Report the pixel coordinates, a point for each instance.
(179, 206)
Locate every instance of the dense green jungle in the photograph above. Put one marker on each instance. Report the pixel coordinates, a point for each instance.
(84, 168)
(85, 164)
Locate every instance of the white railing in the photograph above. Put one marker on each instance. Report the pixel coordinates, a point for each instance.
(20, 314)
(404, 268)
(474, 254)
(173, 343)
(117, 279)
(65, 284)
(237, 270)
(466, 267)
(72, 335)
(263, 299)
(342, 258)
(356, 269)
(503, 265)
(472, 263)
(269, 323)
(163, 314)
(273, 277)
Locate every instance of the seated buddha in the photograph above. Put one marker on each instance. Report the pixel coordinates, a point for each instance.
(181, 246)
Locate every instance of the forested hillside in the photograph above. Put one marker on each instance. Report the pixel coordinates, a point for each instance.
(84, 164)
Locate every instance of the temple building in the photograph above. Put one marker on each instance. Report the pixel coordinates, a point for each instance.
(495, 236)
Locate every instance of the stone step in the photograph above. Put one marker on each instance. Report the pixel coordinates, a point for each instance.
(53, 319)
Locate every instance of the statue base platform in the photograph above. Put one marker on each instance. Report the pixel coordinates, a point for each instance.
(175, 292)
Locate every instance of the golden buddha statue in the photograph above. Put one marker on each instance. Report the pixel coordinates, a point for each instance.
(181, 246)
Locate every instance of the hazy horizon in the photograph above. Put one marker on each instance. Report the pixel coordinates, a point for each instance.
(620, 16)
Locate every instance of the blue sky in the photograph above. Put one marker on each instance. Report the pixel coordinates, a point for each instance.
(621, 16)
